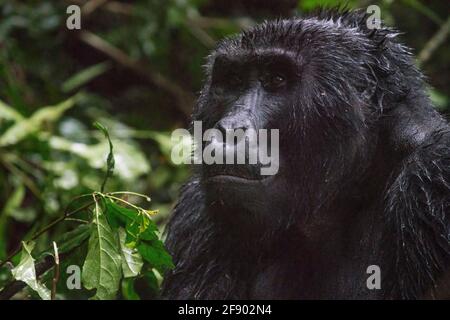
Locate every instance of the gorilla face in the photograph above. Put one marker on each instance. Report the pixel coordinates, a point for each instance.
(251, 91)
(289, 82)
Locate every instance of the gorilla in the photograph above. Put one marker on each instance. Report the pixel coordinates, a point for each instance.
(363, 179)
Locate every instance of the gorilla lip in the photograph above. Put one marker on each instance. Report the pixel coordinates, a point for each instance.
(243, 173)
(223, 178)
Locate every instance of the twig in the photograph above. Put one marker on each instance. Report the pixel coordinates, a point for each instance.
(112, 6)
(110, 160)
(92, 5)
(25, 179)
(77, 220)
(119, 7)
(434, 42)
(56, 275)
(147, 198)
(200, 34)
(423, 9)
(124, 202)
(221, 23)
(185, 99)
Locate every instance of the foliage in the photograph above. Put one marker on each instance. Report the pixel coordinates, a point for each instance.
(55, 82)
(123, 240)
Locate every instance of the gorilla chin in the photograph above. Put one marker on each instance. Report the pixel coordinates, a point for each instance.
(247, 202)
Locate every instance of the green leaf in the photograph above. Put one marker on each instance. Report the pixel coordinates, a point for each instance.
(149, 230)
(102, 267)
(131, 259)
(85, 76)
(152, 280)
(70, 240)
(130, 162)
(141, 229)
(123, 214)
(128, 291)
(14, 201)
(164, 141)
(114, 221)
(133, 231)
(440, 101)
(8, 113)
(155, 253)
(26, 272)
(27, 126)
(309, 5)
(138, 223)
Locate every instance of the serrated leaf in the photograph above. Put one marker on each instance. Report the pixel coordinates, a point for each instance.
(26, 272)
(102, 267)
(155, 253)
(131, 259)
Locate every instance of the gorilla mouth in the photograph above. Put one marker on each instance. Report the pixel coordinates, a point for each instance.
(228, 178)
(242, 173)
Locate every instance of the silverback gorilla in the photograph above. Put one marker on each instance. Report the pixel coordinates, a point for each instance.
(364, 171)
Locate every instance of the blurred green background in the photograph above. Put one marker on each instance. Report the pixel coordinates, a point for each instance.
(135, 66)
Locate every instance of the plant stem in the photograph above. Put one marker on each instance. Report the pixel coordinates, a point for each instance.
(48, 227)
(125, 202)
(131, 193)
(56, 275)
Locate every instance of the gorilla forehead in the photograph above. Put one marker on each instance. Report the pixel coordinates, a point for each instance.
(337, 50)
(336, 55)
(294, 34)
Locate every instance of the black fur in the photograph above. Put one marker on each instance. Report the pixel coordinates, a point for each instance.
(367, 183)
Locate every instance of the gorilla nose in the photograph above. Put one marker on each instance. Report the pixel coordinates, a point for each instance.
(229, 126)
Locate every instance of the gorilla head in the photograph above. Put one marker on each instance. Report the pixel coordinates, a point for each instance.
(314, 82)
(355, 185)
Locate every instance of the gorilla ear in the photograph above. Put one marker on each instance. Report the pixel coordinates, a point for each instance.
(405, 126)
(406, 113)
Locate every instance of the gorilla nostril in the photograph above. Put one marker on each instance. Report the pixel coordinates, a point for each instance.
(233, 135)
(229, 127)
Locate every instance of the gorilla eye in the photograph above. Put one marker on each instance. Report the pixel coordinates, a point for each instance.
(235, 79)
(273, 81)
